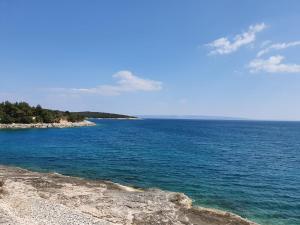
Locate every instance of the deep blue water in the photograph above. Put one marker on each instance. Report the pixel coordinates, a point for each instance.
(250, 168)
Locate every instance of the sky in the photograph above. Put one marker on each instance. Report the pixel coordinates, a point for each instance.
(171, 57)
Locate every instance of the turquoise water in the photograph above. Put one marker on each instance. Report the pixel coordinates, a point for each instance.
(249, 168)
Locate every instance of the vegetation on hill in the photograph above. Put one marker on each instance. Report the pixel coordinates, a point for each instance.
(22, 112)
(104, 115)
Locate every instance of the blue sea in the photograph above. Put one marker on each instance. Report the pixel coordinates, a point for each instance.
(246, 167)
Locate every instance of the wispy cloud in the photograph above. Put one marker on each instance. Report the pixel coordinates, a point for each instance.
(273, 65)
(265, 43)
(223, 45)
(278, 46)
(126, 82)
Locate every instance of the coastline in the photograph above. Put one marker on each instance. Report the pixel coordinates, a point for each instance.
(47, 125)
(136, 118)
(28, 197)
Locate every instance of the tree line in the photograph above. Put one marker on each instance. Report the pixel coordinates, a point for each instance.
(22, 112)
(103, 115)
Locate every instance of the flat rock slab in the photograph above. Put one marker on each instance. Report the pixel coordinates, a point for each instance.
(29, 198)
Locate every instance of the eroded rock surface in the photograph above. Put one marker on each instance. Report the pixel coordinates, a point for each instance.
(30, 198)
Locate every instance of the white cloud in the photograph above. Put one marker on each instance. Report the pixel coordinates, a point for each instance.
(126, 82)
(223, 46)
(278, 46)
(265, 43)
(273, 65)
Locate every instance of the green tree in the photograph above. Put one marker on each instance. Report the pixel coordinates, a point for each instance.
(7, 119)
(22, 112)
(47, 117)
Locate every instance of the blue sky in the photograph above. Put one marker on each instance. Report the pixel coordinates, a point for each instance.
(218, 58)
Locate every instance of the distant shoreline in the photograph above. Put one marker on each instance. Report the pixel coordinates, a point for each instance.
(129, 118)
(64, 124)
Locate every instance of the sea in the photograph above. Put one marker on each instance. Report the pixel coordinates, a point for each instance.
(251, 168)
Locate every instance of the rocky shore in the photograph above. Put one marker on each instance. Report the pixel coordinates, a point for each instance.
(31, 198)
(64, 124)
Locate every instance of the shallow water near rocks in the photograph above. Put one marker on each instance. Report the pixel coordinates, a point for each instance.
(246, 167)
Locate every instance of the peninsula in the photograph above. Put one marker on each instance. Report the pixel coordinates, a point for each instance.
(22, 115)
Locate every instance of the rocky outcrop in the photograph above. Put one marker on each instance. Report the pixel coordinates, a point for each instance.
(30, 198)
(47, 125)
